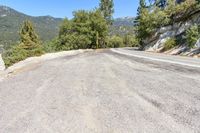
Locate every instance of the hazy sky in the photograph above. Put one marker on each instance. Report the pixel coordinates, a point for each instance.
(64, 8)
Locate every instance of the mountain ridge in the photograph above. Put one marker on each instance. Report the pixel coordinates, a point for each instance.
(10, 21)
(47, 26)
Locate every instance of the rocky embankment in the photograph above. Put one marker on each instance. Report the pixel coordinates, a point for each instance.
(177, 30)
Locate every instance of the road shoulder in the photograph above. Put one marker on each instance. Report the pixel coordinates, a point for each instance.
(33, 61)
(177, 60)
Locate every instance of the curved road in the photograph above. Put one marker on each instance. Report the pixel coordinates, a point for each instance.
(102, 92)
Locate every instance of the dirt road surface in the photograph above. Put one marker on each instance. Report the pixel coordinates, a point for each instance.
(103, 92)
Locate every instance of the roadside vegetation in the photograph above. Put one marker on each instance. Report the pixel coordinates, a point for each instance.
(160, 13)
(93, 29)
(169, 44)
(192, 35)
(86, 30)
(29, 45)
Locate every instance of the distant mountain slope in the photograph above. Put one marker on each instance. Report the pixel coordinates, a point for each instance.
(123, 26)
(127, 21)
(10, 20)
(46, 26)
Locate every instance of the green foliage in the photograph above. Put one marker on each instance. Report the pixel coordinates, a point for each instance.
(122, 26)
(169, 44)
(46, 27)
(88, 29)
(192, 35)
(14, 55)
(130, 41)
(29, 46)
(150, 21)
(115, 42)
(152, 17)
(73, 41)
(107, 9)
(65, 27)
(28, 38)
(142, 5)
(51, 46)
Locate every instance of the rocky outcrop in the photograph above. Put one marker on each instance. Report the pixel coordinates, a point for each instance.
(198, 43)
(155, 43)
(2, 65)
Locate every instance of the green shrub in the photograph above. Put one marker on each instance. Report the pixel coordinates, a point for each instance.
(149, 21)
(14, 55)
(51, 46)
(115, 42)
(192, 35)
(88, 29)
(169, 44)
(151, 17)
(73, 41)
(29, 46)
(130, 41)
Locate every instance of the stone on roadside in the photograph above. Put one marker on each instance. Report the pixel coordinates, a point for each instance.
(2, 65)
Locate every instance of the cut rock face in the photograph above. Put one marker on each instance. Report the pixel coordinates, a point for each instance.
(177, 30)
(198, 43)
(2, 65)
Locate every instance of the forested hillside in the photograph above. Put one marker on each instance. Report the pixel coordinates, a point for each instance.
(10, 20)
(46, 26)
(123, 26)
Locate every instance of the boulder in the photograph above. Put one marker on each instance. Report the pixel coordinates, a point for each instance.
(165, 29)
(160, 43)
(179, 50)
(194, 52)
(198, 43)
(2, 65)
(168, 34)
(183, 27)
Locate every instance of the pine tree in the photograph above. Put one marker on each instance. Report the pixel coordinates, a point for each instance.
(107, 9)
(28, 38)
(138, 23)
(88, 29)
(160, 3)
(142, 5)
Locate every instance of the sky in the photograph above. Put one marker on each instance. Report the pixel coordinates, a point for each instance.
(64, 8)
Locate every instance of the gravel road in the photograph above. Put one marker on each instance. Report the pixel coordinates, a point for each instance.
(102, 92)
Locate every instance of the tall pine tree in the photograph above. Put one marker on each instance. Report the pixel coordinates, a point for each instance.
(160, 3)
(29, 40)
(107, 9)
(138, 23)
(142, 5)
